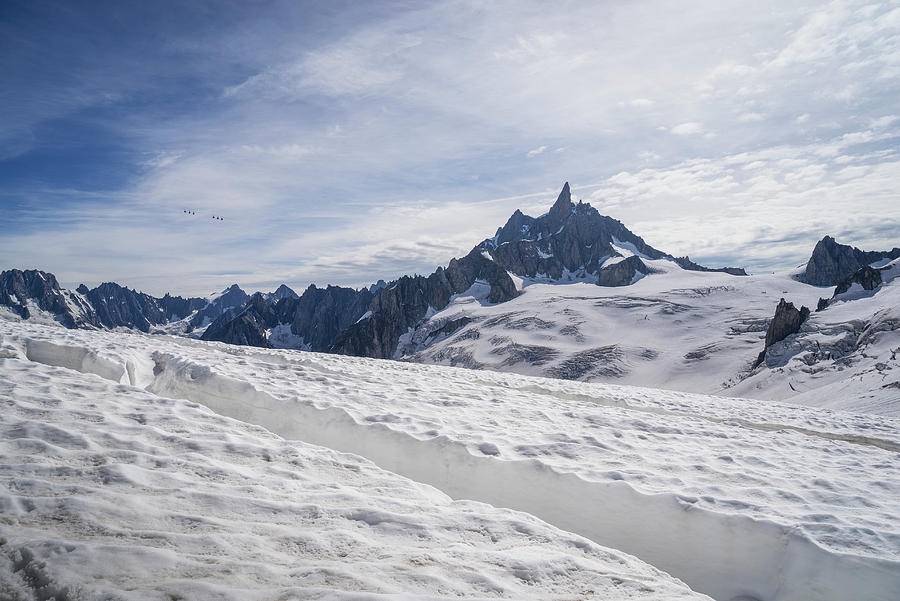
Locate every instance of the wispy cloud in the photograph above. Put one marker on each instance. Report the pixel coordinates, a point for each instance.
(361, 141)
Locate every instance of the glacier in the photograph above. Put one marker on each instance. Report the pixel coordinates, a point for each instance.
(738, 499)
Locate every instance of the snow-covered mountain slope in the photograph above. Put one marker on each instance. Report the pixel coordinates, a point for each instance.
(845, 356)
(679, 330)
(736, 498)
(111, 492)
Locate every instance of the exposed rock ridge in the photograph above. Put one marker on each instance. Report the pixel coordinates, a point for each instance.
(787, 320)
(317, 316)
(573, 239)
(623, 272)
(831, 263)
(119, 306)
(403, 304)
(868, 278)
(18, 287)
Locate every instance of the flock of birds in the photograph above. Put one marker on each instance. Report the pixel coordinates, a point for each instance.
(189, 212)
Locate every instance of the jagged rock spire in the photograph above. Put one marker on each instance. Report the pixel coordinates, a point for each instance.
(562, 207)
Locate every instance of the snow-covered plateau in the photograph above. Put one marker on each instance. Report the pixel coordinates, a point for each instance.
(682, 330)
(138, 466)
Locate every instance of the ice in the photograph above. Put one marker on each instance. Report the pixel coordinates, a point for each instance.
(109, 491)
(736, 498)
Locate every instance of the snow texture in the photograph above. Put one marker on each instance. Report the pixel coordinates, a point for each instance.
(108, 491)
(740, 500)
(687, 331)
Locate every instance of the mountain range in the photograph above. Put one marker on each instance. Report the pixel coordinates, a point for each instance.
(571, 294)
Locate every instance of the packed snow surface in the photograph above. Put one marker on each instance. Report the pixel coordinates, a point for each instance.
(737, 498)
(108, 491)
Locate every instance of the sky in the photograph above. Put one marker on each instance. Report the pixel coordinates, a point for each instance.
(345, 142)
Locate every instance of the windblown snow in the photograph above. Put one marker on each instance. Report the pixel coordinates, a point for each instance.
(129, 485)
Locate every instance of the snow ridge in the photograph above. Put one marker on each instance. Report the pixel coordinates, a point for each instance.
(721, 545)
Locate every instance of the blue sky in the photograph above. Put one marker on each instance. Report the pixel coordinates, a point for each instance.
(347, 142)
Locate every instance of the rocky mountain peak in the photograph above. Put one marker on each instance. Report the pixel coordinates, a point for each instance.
(576, 242)
(562, 208)
(284, 291)
(831, 262)
(20, 290)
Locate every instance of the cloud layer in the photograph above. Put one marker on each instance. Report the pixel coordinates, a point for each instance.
(357, 143)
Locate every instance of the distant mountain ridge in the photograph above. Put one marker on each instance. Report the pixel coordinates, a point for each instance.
(571, 242)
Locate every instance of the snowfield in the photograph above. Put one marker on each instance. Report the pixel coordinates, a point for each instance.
(739, 499)
(681, 330)
(112, 492)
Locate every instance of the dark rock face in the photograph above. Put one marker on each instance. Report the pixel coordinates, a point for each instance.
(406, 302)
(572, 238)
(623, 272)
(283, 292)
(18, 287)
(108, 305)
(831, 262)
(176, 307)
(119, 306)
(787, 321)
(247, 327)
(320, 314)
(867, 277)
(452, 326)
(686, 263)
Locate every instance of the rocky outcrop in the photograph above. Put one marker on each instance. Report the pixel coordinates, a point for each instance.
(623, 272)
(320, 314)
(176, 307)
(247, 327)
(867, 277)
(686, 263)
(405, 303)
(317, 316)
(831, 263)
(19, 289)
(787, 321)
(117, 306)
(571, 239)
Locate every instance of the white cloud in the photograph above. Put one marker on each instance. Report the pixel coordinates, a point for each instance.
(687, 129)
(441, 102)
